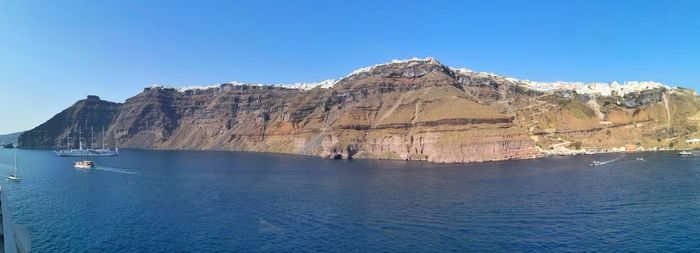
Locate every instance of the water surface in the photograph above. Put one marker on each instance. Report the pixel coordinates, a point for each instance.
(175, 201)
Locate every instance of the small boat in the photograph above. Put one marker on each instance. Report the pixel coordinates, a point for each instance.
(85, 164)
(596, 163)
(640, 159)
(685, 153)
(14, 177)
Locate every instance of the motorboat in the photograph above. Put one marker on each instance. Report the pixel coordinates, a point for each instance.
(85, 164)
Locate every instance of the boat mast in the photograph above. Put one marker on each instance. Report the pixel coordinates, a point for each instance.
(92, 138)
(103, 138)
(80, 138)
(15, 162)
(115, 141)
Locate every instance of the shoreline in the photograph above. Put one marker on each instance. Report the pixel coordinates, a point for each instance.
(584, 152)
(541, 155)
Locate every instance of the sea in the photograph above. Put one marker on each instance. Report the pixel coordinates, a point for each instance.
(214, 201)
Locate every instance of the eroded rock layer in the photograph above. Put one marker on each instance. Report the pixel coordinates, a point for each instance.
(413, 110)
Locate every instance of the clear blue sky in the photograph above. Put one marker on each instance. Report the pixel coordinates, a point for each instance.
(53, 53)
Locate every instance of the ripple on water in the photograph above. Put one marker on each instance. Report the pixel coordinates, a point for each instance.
(175, 201)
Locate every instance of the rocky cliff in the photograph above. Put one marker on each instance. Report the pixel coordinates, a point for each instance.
(86, 114)
(9, 138)
(415, 110)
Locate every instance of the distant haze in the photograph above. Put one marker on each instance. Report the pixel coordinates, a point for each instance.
(50, 58)
(9, 138)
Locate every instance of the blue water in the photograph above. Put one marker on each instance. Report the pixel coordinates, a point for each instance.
(186, 201)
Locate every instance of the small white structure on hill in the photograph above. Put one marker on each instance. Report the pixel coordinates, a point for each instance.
(693, 141)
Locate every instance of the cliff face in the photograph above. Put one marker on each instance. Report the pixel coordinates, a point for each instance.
(647, 119)
(9, 138)
(414, 110)
(84, 114)
(417, 111)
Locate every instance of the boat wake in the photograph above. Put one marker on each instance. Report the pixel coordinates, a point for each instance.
(114, 170)
(268, 227)
(598, 163)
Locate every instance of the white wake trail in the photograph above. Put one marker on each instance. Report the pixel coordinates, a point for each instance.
(115, 170)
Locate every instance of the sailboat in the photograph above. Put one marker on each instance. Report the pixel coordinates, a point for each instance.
(91, 151)
(104, 151)
(14, 176)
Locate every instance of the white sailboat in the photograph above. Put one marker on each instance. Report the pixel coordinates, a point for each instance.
(88, 152)
(14, 176)
(104, 151)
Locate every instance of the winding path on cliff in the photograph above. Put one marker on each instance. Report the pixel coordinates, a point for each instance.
(593, 104)
(668, 112)
(393, 108)
(416, 110)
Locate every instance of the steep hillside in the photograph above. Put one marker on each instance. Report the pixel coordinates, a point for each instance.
(84, 114)
(415, 109)
(9, 138)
